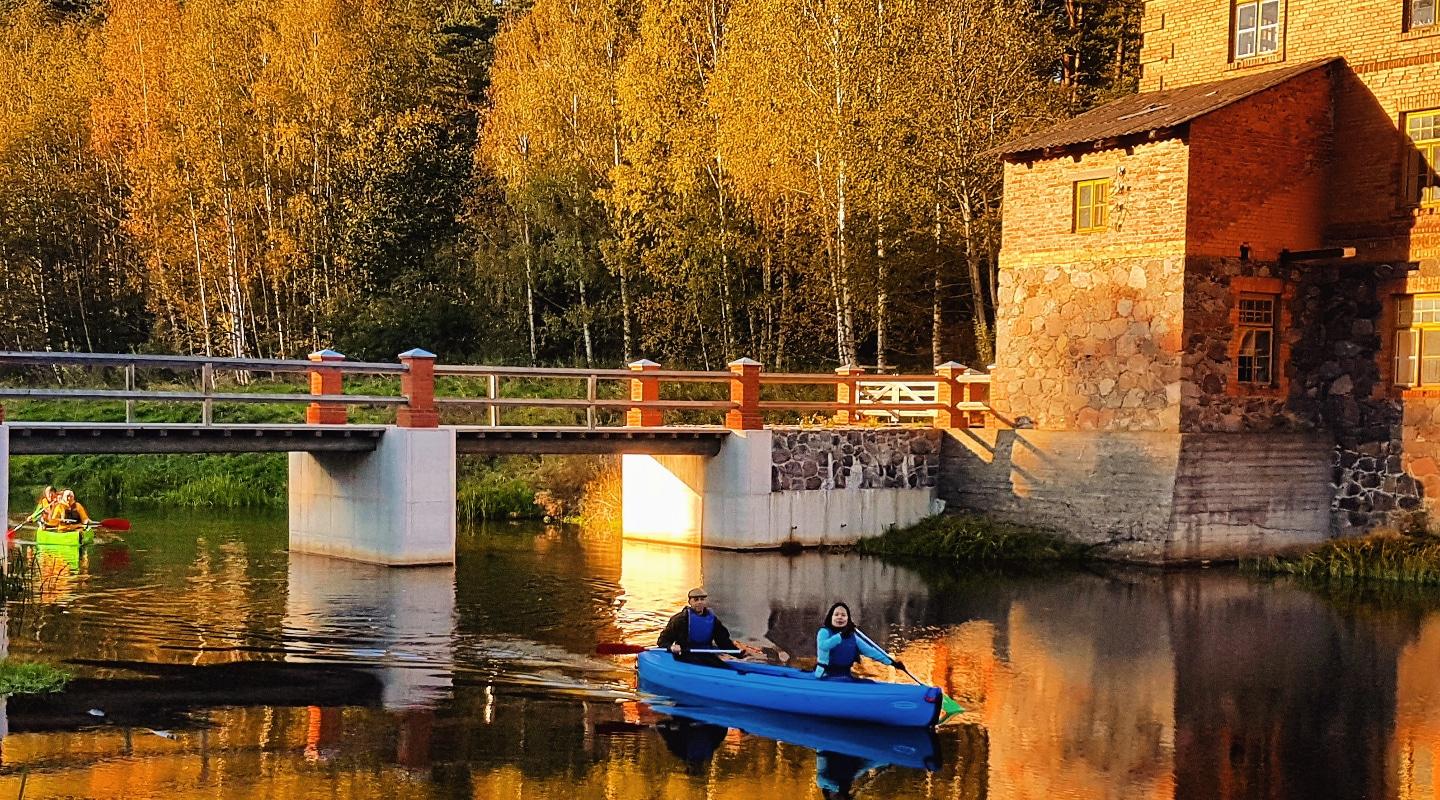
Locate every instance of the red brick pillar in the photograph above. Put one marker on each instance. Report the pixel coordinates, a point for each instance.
(326, 381)
(948, 394)
(745, 394)
(977, 392)
(847, 394)
(644, 389)
(417, 384)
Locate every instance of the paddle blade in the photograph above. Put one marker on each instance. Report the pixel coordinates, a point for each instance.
(949, 707)
(115, 524)
(619, 649)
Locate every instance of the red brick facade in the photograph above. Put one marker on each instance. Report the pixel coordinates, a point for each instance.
(1138, 327)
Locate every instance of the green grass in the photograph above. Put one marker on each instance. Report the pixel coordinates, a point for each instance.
(975, 539)
(1386, 556)
(31, 677)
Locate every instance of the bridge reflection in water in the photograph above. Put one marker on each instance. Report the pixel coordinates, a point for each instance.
(1114, 685)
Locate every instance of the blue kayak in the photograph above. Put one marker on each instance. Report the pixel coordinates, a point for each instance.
(912, 747)
(791, 690)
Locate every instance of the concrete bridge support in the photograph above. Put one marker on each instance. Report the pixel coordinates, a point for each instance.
(394, 506)
(771, 488)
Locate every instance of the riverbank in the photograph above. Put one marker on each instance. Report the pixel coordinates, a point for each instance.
(1383, 556)
(970, 538)
(504, 487)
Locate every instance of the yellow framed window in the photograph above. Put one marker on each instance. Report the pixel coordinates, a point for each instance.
(1255, 362)
(1257, 28)
(1092, 205)
(1417, 341)
(1419, 14)
(1423, 130)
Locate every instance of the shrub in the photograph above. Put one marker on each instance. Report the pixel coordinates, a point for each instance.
(966, 537)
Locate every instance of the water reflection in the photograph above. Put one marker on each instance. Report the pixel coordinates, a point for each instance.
(480, 681)
(400, 621)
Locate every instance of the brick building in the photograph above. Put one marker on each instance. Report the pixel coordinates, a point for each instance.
(1219, 324)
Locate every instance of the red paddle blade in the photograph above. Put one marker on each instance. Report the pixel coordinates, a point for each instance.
(115, 524)
(619, 649)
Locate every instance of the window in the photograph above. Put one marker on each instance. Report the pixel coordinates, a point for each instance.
(1417, 341)
(1256, 358)
(1257, 28)
(1092, 205)
(1423, 129)
(1419, 14)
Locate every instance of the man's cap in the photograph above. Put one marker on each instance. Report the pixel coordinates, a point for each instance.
(696, 592)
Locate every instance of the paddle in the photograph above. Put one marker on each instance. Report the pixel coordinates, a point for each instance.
(10, 534)
(114, 524)
(947, 705)
(623, 649)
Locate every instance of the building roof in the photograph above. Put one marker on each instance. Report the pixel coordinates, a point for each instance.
(1152, 111)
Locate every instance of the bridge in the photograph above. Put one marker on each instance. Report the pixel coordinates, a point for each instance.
(732, 459)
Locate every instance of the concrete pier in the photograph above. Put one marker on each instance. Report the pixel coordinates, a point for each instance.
(394, 506)
(736, 500)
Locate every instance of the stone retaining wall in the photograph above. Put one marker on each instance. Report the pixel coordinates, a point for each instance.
(854, 458)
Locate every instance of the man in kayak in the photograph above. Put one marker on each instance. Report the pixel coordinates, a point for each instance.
(67, 512)
(838, 646)
(697, 628)
(42, 505)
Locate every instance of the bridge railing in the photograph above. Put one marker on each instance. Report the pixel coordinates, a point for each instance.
(325, 369)
(951, 397)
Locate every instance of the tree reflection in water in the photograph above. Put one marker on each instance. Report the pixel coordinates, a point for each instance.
(1108, 685)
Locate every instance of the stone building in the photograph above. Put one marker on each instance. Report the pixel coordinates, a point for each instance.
(1219, 299)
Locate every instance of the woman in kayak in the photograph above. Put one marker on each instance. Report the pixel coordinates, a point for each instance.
(42, 505)
(838, 645)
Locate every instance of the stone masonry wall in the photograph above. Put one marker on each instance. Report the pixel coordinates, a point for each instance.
(804, 459)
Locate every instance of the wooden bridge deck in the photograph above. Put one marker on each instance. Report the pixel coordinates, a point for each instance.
(92, 438)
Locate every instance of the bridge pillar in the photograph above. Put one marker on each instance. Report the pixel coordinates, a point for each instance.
(326, 381)
(847, 394)
(394, 506)
(644, 389)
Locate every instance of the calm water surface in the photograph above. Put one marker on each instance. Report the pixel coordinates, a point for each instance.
(226, 668)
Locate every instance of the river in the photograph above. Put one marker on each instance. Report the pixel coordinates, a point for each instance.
(216, 665)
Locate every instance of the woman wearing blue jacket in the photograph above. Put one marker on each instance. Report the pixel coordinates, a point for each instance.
(838, 645)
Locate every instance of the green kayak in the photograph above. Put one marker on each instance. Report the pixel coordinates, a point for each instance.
(73, 535)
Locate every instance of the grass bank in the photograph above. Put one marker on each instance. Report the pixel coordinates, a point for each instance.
(31, 677)
(1383, 556)
(974, 539)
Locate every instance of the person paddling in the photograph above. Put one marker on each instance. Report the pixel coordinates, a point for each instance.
(697, 628)
(42, 505)
(837, 647)
(67, 512)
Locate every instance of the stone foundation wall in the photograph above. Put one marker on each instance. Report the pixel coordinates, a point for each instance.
(1091, 346)
(855, 458)
(1148, 496)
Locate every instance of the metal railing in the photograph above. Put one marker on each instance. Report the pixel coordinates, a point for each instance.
(953, 396)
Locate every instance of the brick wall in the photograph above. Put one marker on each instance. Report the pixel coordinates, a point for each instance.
(1389, 72)
(1259, 169)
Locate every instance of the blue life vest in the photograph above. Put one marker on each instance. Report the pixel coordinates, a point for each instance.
(844, 654)
(702, 629)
